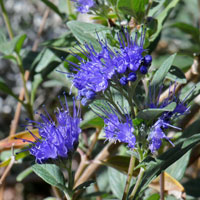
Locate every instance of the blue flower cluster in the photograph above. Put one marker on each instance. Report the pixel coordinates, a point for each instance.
(117, 127)
(83, 6)
(57, 141)
(95, 74)
(156, 134)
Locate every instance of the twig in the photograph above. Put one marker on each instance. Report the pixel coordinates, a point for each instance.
(139, 179)
(7, 21)
(92, 168)
(129, 176)
(191, 75)
(85, 157)
(37, 40)
(96, 188)
(57, 193)
(162, 186)
(26, 76)
(7, 170)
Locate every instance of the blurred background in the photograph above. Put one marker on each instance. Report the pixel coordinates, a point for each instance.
(47, 38)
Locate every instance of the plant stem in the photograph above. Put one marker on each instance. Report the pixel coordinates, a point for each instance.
(69, 6)
(67, 196)
(129, 176)
(6, 19)
(139, 179)
(162, 186)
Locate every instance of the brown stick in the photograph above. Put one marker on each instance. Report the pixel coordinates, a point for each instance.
(191, 75)
(92, 168)
(15, 121)
(162, 186)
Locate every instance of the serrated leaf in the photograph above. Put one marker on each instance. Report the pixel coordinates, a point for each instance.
(51, 174)
(152, 113)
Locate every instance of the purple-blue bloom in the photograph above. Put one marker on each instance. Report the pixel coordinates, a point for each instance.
(57, 141)
(156, 133)
(94, 74)
(83, 6)
(117, 127)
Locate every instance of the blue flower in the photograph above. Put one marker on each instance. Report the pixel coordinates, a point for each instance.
(57, 141)
(156, 133)
(117, 127)
(96, 73)
(83, 6)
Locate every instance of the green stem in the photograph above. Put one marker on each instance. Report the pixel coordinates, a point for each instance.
(67, 196)
(19, 60)
(70, 177)
(6, 19)
(129, 176)
(139, 179)
(69, 6)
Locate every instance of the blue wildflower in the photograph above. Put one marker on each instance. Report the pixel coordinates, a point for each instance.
(96, 73)
(84, 6)
(156, 133)
(117, 127)
(57, 141)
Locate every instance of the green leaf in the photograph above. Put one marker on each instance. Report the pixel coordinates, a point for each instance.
(117, 182)
(51, 174)
(175, 74)
(165, 160)
(161, 73)
(7, 90)
(86, 32)
(84, 185)
(162, 17)
(192, 187)
(152, 113)
(91, 120)
(134, 8)
(177, 169)
(54, 8)
(154, 197)
(15, 44)
(47, 57)
(189, 29)
(24, 174)
(20, 43)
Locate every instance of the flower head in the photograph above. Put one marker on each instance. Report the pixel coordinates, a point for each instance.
(83, 6)
(157, 130)
(117, 127)
(57, 141)
(95, 74)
